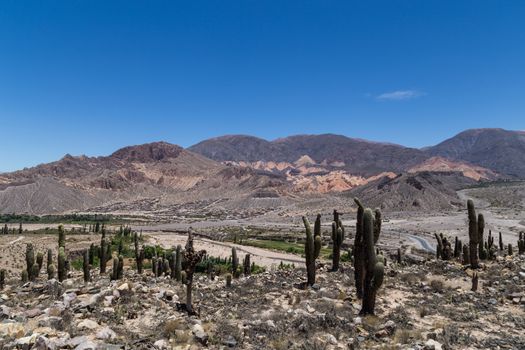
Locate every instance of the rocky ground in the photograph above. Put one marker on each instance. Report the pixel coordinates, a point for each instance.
(428, 305)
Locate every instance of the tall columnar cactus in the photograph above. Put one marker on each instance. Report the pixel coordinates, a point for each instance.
(521, 243)
(473, 235)
(61, 237)
(91, 254)
(374, 266)
(61, 264)
(30, 259)
(312, 248)
(377, 224)
(102, 254)
(501, 246)
(49, 257)
(140, 261)
(178, 263)
(444, 248)
(86, 267)
(40, 260)
(24, 276)
(338, 236)
(118, 268)
(482, 252)
(229, 280)
(235, 263)
(2, 279)
(35, 271)
(51, 271)
(359, 266)
(192, 258)
(247, 266)
(509, 249)
(466, 255)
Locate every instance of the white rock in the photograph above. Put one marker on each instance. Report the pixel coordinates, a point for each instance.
(87, 324)
(123, 286)
(162, 344)
(431, 344)
(106, 333)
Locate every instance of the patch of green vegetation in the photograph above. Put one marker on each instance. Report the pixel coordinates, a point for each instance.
(288, 247)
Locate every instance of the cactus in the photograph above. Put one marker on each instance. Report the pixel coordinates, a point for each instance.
(509, 249)
(399, 257)
(35, 271)
(444, 248)
(247, 266)
(86, 267)
(140, 261)
(154, 266)
(165, 266)
(139, 253)
(61, 264)
(473, 235)
(103, 252)
(191, 258)
(312, 248)
(40, 260)
(474, 282)
(338, 236)
(501, 246)
(25, 276)
(183, 277)
(2, 279)
(466, 255)
(49, 257)
(235, 263)
(229, 280)
(178, 263)
(30, 259)
(482, 252)
(358, 250)
(91, 254)
(521, 243)
(374, 266)
(50, 271)
(61, 237)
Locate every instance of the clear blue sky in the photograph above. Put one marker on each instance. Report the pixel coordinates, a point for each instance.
(88, 77)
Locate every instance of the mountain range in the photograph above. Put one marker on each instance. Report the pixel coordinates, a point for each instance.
(239, 171)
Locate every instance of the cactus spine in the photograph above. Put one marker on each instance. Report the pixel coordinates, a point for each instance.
(338, 236)
(312, 248)
(473, 235)
(374, 266)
